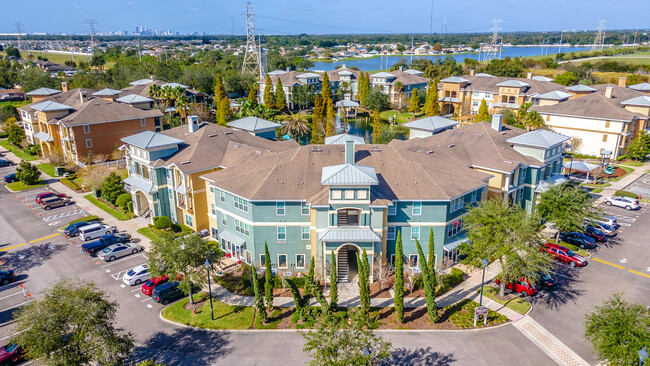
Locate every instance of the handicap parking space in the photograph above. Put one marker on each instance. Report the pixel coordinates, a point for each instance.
(623, 217)
(57, 216)
(641, 186)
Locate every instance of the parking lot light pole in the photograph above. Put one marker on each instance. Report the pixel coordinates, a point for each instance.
(207, 267)
(480, 301)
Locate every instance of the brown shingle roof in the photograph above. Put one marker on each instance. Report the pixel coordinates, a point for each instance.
(489, 84)
(98, 110)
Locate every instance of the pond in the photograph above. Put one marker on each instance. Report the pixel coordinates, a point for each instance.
(361, 126)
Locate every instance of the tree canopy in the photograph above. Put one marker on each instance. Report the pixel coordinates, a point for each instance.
(566, 206)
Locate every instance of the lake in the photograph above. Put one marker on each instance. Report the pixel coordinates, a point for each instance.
(368, 64)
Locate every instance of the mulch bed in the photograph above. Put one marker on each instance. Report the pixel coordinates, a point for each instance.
(618, 172)
(196, 306)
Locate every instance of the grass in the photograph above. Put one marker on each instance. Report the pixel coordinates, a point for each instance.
(604, 185)
(273, 320)
(627, 171)
(596, 190)
(516, 304)
(399, 117)
(15, 103)
(632, 163)
(47, 169)
(20, 186)
(19, 153)
(149, 232)
(108, 209)
(86, 218)
(225, 316)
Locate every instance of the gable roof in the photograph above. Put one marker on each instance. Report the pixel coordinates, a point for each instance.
(541, 78)
(483, 74)
(253, 124)
(175, 85)
(433, 123)
(97, 110)
(141, 82)
(539, 138)
(342, 138)
(150, 139)
(43, 91)
(49, 106)
(133, 98)
(107, 92)
(348, 174)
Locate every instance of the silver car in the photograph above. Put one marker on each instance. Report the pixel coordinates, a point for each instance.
(118, 250)
(627, 203)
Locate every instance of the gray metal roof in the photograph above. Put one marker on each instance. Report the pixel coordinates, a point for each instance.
(541, 78)
(383, 75)
(225, 235)
(347, 103)
(43, 91)
(49, 106)
(484, 74)
(137, 183)
(276, 72)
(454, 79)
(348, 174)
(253, 124)
(580, 88)
(460, 239)
(539, 138)
(513, 84)
(345, 72)
(553, 180)
(413, 72)
(449, 99)
(639, 87)
(433, 123)
(43, 136)
(141, 82)
(349, 235)
(580, 166)
(308, 75)
(342, 138)
(150, 139)
(106, 92)
(555, 95)
(643, 101)
(175, 85)
(134, 98)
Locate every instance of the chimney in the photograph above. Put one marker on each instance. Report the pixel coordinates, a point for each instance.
(65, 86)
(609, 92)
(349, 152)
(622, 81)
(193, 123)
(401, 68)
(497, 122)
(82, 96)
(472, 72)
(529, 75)
(152, 77)
(288, 69)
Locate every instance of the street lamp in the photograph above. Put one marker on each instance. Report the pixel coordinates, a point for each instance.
(485, 263)
(207, 267)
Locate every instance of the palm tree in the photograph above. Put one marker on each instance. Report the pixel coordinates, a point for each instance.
(183, 105)
(399, 87)
(154, 92)
(295, 126)
(533, 121)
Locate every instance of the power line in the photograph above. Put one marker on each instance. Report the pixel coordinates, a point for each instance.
(599, 41)
(19, 32)
(252, 58)
(495, 43)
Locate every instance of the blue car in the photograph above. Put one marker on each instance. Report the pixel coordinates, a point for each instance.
(11, 178)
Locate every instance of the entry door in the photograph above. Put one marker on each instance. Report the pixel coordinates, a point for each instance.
(236, 251)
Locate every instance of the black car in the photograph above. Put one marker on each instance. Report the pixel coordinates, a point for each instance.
(578, 239)
(93, 247)
(7, 276)
(166, 293)
(546, 281)
(11, 178)
(5, 162)
(73, 229)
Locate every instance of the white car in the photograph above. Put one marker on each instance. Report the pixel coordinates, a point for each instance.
(627, 203)
(137, 275)
(118, 250)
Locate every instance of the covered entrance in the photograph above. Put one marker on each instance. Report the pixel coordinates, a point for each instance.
(141, 204)
(347, 244)
(346, 262)
(450, 255)
(235, 247)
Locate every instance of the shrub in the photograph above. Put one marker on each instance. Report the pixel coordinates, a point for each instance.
(418, 282)
(123, 201)
(70, 184)
(176, 228)
(162, 222)
(626, 194)
(27, 173)
(112, 187)
(448, 281)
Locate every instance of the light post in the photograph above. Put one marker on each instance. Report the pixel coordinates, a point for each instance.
(643, 354)
(207, 267)
(480, 301)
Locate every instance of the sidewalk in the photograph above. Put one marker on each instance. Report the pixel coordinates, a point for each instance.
(621, 184)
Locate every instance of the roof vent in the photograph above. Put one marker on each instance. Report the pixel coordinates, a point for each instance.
(318, 149)
(478, 134)
(258, 152)
(236, 146)
(375, 148)
(503, 133)
(507, 162)
(228, 133)
(185, 162)
(451, 145)
(430, 152)
(213, 135)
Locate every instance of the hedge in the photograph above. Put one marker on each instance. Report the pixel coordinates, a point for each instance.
(162, 222)
(70, 184)
(626, 194)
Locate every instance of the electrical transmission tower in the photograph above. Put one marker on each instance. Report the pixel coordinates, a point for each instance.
(19, 32)
(431, 19)
(252, 61)
(91, 24)
(599, 41)
(494, 49)
(444, 26)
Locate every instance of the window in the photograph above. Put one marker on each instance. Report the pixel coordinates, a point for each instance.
(362, 195)
(143, 122)
(282, 261)
(392, 210)
(305, 232)
(604, 138)
(280, 209)
(390, 233)
(606, 124)
(300, 261)
(523, 174)
(241, 204)
(348, 217)
(89, 143)
(242, 228)
(415, 233)
(214, 233)
(222, 196)
(213, 208)
(456, 204)
(413, 260)
(349, 194)
(282, 233)
(262, 259)
(454, 228)
(86, 129)
(224, 219)
(336, 194)
(188, 220)
(473, 197)
(304, 209)
(417, 208)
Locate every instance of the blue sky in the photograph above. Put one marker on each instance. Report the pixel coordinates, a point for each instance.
(322, 16)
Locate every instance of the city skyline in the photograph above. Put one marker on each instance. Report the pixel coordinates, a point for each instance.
(334, 17)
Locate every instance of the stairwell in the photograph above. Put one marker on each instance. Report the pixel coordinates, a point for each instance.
(342, 266)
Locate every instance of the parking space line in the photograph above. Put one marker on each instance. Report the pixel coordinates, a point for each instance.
(15, 306)
(147, 299)
(11, 335)
(137, 289)
(12, 247)
(611, 264)
(64, 214)
(17, 293)
(126, 257)
(44, 238)
(639, 273)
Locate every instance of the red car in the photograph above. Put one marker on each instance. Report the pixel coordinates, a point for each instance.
(148, 286)
(522, 286)
(11, 353)
(43, 196)
(564, 254)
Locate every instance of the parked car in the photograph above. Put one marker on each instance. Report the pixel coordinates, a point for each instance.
(605, 229)
(579, 239)
(54, 202)
(594, 233)
(627, 203)
(11, 353)
(115, 251)
(546, 281)
(166, 293)
(136, 275)
(5, 162)
(608, 220)
(522, 286)
(11, 178)
(148, 286)
(7, 276)
(91, 248)
(93, 231)
(72, 230)
(43, 196)
(564, 254)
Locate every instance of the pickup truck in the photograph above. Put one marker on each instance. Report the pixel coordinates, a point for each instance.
(92, 247)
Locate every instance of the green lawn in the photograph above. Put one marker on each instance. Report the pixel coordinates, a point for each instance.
(632, 163)
(225, 316)
(517, 304)
(16, 103)
(47, 169)
(604, 185)
(20, 186)
(149, 232)
(109, 210)
(628, 170)
(19, 153)
(399, 117)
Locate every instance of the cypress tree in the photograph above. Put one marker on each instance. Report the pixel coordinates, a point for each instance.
(259, 301)
(427, 100)
(366, 268)
(280, 98)
(483, 113)
(252, 94)
(316, 126)
(223, 112)
(310, 278)
(269, 96)
(429, 289)
(399, 279)
(330, 127)
(364, 296)
(326, 89)
(377, 127)
(334, 288)
(431, 260)
(431, 106)
(219, 90)
(268, 277)
(414, 104)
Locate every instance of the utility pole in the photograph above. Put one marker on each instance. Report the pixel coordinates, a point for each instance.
(495, 43)
(411, 53)
(252, 58)
(599, 41)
